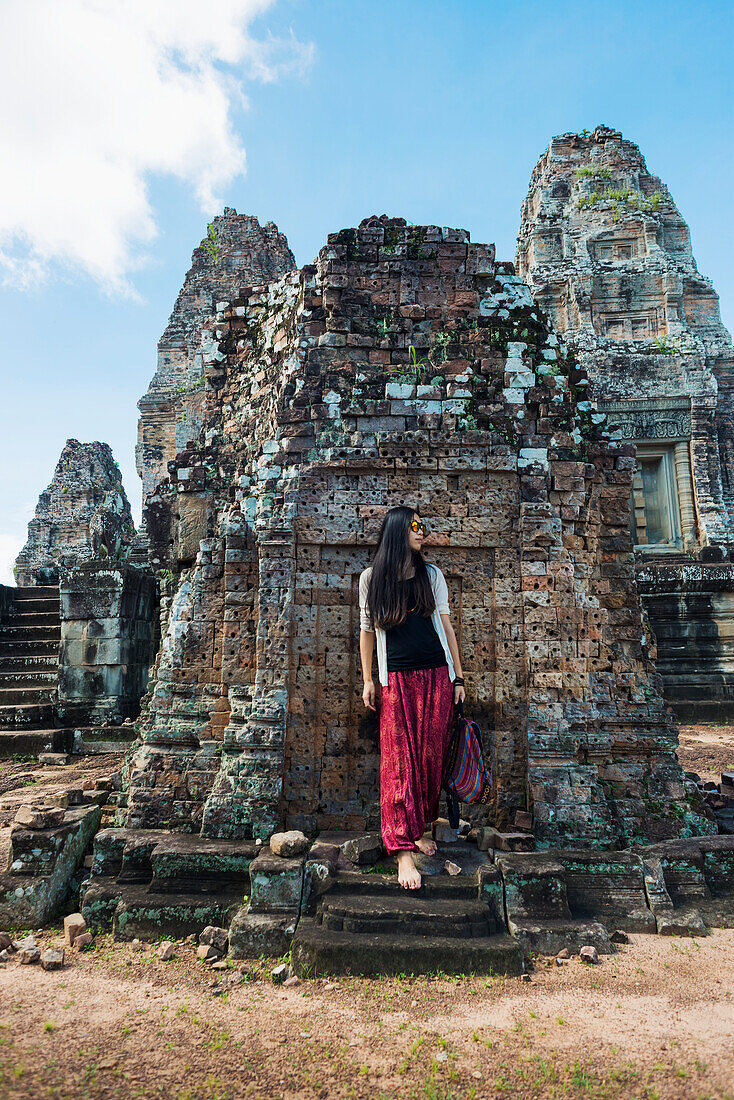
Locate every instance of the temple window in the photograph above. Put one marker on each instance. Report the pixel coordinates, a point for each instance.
(662, 514)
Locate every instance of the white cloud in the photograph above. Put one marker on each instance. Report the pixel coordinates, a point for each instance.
(10, 546)
(98, 95)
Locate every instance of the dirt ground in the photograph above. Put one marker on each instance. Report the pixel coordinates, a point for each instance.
(655, 1021)
(708, 750)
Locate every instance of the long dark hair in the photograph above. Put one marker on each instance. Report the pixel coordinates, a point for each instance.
(387, 598)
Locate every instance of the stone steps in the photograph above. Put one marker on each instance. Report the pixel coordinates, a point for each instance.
(30, 665)
(33, 694)
(37, 592)
(35, 617)
(27, 716)
(20, 649)
(317, 951)
(434, 886)
(31, 742)
(409, 915)
(28, 679)
(145, 915)
(32, 632)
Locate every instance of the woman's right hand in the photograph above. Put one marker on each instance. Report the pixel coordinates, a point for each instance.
(368, 694)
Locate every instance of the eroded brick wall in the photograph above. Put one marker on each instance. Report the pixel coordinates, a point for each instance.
(317, 421)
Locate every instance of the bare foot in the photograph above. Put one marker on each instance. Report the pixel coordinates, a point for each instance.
(428, 847)
(408, 876)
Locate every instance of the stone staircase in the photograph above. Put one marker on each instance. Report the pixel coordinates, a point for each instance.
(368, 924)
(29, 662)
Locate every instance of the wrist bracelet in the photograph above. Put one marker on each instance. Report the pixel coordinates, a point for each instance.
(459, 680)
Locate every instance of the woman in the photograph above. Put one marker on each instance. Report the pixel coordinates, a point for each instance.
(404, 604)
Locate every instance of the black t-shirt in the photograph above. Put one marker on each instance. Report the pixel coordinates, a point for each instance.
(414, 644)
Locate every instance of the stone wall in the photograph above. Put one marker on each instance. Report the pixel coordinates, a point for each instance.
(83, 515)
(608, 256)
(239, 252)
(317, 418)
(108, 635)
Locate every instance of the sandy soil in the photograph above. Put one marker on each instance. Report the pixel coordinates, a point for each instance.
(656, 1020)
(708, 750)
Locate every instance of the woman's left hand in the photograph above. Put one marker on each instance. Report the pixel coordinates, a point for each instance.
(459, 693)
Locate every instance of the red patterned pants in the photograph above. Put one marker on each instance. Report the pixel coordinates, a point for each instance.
(416, 711)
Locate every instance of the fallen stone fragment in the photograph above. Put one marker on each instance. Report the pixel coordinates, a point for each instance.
(191, 938)
(87, 784)
(589, 955)
(217, 991)
(363, 850)
(526, 978)
(27, 943)
(290, 982)
(215, 937)
(452, 868)
(74, 925)
(443, 833)
(166, 950)
(220, 964)
(136, 945)
(208, 953)
(680, 923)
(280, 973)
(290, 844)
(560, 961)
(28, 955)
(6, 941)
(618, 936)
(40, 817)
(103, 783)
(52, 960)
(4, 955)
(523, 820)
(58, 758)
(564, 953)
(82, 942)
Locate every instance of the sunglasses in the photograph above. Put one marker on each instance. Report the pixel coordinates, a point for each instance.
(418, 527)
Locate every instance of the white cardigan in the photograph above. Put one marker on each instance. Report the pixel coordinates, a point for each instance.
(441, 599)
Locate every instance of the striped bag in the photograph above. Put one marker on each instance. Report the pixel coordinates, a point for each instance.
(466, 777)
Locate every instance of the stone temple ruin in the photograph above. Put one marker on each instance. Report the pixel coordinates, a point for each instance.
(405, 365)
(608, 256)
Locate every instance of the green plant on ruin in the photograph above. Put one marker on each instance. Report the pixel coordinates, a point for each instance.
(587, 170)
(585, 133)
(333, 436)
(211, 242)
(191, 387)
(467, 423)
(441, 341)
(664, 347)
(415, 371)
(621, 200)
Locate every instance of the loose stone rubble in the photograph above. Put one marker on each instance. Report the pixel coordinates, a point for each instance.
(608, 256)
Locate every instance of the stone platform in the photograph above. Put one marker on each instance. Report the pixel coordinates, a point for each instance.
(145, 883)
(340, 917)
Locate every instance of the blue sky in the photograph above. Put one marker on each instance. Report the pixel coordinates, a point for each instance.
(432, 110)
